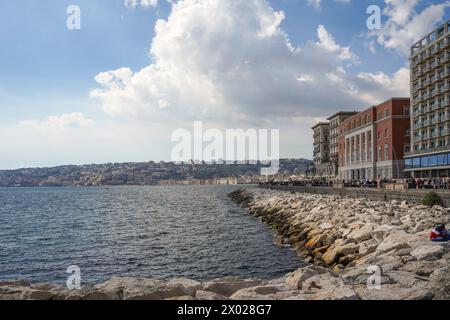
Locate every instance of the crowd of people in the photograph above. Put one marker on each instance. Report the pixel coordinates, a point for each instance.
(428, 183)
(412, 183)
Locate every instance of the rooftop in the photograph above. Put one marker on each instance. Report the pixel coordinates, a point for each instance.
(430, 39)
(343, 113)
(321, 124)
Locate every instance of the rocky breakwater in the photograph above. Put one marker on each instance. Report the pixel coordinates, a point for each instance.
(345, 242)
(357, 248)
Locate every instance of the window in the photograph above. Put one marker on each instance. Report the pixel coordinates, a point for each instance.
(407, 133)
(424, 162)
(407, 148)
(379, 135)
(442, 160)
(386, 113)
(386, 152)
(433, 161)
(378, 115)
(416, 162)
(386, 133)
(379, 154)
(408, 163)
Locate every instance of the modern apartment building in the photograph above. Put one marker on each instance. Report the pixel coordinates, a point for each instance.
(429, 154)
(322, 150)
(372, 143)
(335, 121)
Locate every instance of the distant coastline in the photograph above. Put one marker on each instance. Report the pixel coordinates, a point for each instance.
(145, 174)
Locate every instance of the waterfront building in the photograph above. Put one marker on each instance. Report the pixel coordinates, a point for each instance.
(429, 154)
(322, 167)
(372, 143)
(335, 121)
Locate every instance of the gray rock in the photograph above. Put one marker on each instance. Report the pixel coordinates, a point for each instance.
(190, 287)
(393, 292)
(207, 295)
(229, 285)
(428, 252)
(397, 240)
(440, 283)
(297, 278)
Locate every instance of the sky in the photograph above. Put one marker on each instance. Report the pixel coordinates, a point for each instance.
(136, 70)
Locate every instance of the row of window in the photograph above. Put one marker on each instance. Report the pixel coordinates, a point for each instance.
(367, 119)
(428, 161)
(430, 145)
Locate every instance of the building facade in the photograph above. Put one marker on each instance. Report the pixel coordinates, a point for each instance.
(373, 142)
(429, 154)
(335, 121)
(321, 147)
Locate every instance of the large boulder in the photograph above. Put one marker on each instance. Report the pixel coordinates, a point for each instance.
(424, 268)
(139, 289)
(393, 292)
(296, 278)
(229, 285)
(440, 283)
(397, 240)
(338, 293)
(256, 293)
(381, 232)
(362, 234)
(319, 282)
(428, 252)
(327, 286)
(207, 295)
(368, 247)
(290, 295)
(190, 287)
(334, 253)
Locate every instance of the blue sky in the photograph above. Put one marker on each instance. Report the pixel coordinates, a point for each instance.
(48, 70)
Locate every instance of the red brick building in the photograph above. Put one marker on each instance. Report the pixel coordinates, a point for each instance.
(373, 142)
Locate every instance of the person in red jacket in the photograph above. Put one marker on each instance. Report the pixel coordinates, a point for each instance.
(439, 234)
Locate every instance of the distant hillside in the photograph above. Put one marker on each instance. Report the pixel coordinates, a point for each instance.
(146, 173)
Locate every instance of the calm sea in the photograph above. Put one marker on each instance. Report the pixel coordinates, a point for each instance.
(156, 232)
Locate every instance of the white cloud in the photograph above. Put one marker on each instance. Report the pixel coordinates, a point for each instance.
(405, 25)
(229, 60)
(378, 86)
(142, 3)
(317, 4)
(70, 120)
